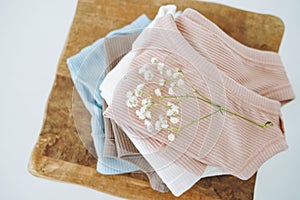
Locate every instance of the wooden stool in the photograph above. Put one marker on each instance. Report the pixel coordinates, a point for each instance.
(59, 153)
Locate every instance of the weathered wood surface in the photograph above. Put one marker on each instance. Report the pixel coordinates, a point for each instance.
(59, 153)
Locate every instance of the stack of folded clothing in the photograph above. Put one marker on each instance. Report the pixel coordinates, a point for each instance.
(179, 100)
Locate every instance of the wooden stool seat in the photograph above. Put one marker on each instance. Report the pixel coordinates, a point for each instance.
(59, 153)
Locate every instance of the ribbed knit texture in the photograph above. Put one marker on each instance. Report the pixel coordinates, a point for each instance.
(258, 70)
(235, 144)
(87, 70)
(116, 142)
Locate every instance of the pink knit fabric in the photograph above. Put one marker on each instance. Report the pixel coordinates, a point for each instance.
(258, 70)
(235, 144)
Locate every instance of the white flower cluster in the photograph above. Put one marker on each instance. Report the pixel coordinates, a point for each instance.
(132, 98)
(144, 113)
(176, 83)
(148, 75)
(169, 83)
(170, 80)
(173, 112)
(161, 124)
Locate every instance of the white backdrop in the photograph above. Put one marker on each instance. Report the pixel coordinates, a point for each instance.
(32, 36)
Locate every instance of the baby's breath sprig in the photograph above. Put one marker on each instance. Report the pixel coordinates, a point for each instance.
(169, 118)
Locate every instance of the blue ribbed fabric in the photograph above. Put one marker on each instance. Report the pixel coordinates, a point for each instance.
(87, 69)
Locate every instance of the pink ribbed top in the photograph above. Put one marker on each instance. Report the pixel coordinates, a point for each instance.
(222, 140)
(238, 146)
(258, 70)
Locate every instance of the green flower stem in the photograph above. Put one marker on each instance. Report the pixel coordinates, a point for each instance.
(206, 100)
(202, 98)
(220, 109)
(189, 96)
(196, 120)
(249, 120)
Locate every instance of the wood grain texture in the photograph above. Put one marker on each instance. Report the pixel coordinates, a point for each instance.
(59, 153)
